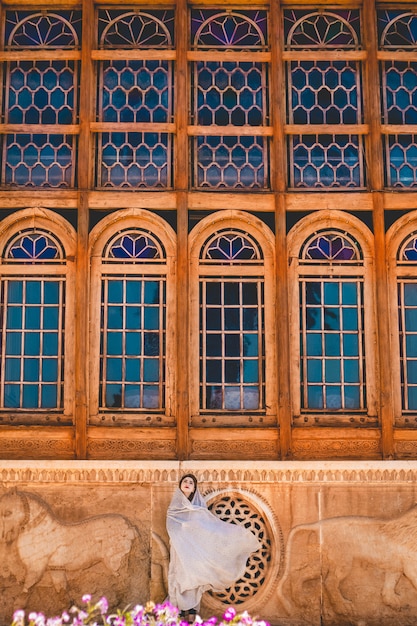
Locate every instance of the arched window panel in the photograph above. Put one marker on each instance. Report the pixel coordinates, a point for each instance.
(322, 29)
(332, 247)
(232, 324)
(240, 30)
(397, 29)
(135, 29)
(324, 92)
(135, 160)
(226, 162)
(326, 161)
(133, 323)
(401, 160)
(33, 331)
(45, 29)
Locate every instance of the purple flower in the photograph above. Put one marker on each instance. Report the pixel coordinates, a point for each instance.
(229, 614)
(86, 597)
(103, 605)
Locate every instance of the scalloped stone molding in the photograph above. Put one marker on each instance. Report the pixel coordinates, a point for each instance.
(128, 472)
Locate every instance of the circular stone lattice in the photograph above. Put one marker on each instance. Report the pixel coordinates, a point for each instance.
(235, 510)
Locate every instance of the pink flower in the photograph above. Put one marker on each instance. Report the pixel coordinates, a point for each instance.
(86, 597)
(229, 614)
(103, 605)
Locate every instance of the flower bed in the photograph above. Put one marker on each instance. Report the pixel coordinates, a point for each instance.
(97, 614)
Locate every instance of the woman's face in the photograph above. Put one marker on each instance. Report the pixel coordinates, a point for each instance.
(187, 486)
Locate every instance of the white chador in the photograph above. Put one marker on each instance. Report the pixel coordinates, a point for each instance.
(206, 553)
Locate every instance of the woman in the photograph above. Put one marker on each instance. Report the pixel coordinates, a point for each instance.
(206, 553)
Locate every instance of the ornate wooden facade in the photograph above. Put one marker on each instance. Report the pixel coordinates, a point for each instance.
(208, 230)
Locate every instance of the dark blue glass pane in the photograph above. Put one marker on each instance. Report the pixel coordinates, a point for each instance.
(232, 345)
(213, 371)
(313, 318)
(114, 369)
(250, 345)
(48, 396)
(313, 293)
(350, 345)
(331, 371)
(31, 370)
(232, 319)
(30, 396)
(250, 319)
(151, 318)
(214, 397)
(350, 319)
(113, 396)
(412, 398)
(133, 292)
(115, 317)
(133, 344)
(231, 293)
(32, 344)
(250, 372)
(315, 397)
(213, 293)
(351, 368)
(352, 397)
(11, 396)
(151, 292)
(114, 343)
(151, 347)
(50, 344)
(410, 294)
(51, 292)
(150, 397)
(14, 317)
(332, 344)
(49, 370)
(411, 345)
(115, 291)
(12, 370)
(150, 370)
(15, 292)
(214, 345)
(33, 318)
(133, 317)
(333, 398)
(232, 398)
(213, 319)
(232, 371)
(249, 293)
(132, 396)
(251, 398)
(349, 293)
(412, 371)
(13, 343)
(51, 318)
(411, 320)
(132, 370)
(314, 372)
(331, 293)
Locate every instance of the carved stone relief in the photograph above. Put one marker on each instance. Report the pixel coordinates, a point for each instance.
(351, 570)
(40, 552)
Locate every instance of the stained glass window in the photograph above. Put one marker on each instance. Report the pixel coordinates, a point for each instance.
(133, 323)
(229, 93)
(33, 328)
(232, 349)
(41, 92)
(324, 91)
(332, 325)
(136, 92)
(397, 34)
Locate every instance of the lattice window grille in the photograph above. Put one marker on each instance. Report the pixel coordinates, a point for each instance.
(235, 510)
(45, 29)
(34, 246)
(401, 160)
(332, 247)
(136, 29)
(397, 29)
(228, 29)
(322, 29)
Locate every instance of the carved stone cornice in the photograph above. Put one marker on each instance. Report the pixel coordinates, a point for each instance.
(236, 472)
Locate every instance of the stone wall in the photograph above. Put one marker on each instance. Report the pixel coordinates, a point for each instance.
(339, 539)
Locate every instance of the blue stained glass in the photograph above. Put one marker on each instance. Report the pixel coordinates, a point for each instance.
(51, 318)
(410, 294)
(232, 371)
(132, 396)
(332, 370)
(115, 317)
(411, 320)
(232, 346)
(31, 370)
(133, 344)
(332, 344)
(250, 372)
(350, 345)
(314, 371)
(352, 397)
(115, 291)
(114, 369)
(411, 345)
(113, 395)
(150, 370)
(133, 291)
(151, 292)
(331, 293)
(350, 319)
(32, 344)
(51, 292)
(15, 291)
(313, 318)
(214, 346)
(349, 293)
(12, 370)
(114, 343)
(150, 397)
(151, 344)
(33, 292)
(214, 28)
(412, 398)
(412, 371)
(213, 319)
(49, 370)
(250, 319)
(314, 345)
(33, 317)
(50, 344)
(30, 396)
(332, 318)
(232, 319)
(11, 396)
(351, 370)
(49, 396)
(213, 371)
(315, 397)
(13, 343)
(133, 317)
(132, 370)
(333, 398)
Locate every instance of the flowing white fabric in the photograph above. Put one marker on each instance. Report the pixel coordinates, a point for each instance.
(206, 553)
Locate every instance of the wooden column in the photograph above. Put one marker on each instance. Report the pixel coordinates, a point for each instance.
(375, 173)
(278, 182)
(181, 174)
(85, 177)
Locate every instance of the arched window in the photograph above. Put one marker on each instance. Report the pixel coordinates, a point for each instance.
(332, 318)
(131, 303)
(324, 96)
(398, 40)
(135, 98)
(402, 255)
(232, 321)
(41, 98)
(36, 308)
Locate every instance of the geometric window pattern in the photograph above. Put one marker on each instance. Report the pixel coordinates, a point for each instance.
(42, 92)
(229, 93)
(397, 32)
(332, 328)
(407, 318)
(235, 510)
(133, 322)
(324, 92)
(232, 341)
(135, 92)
